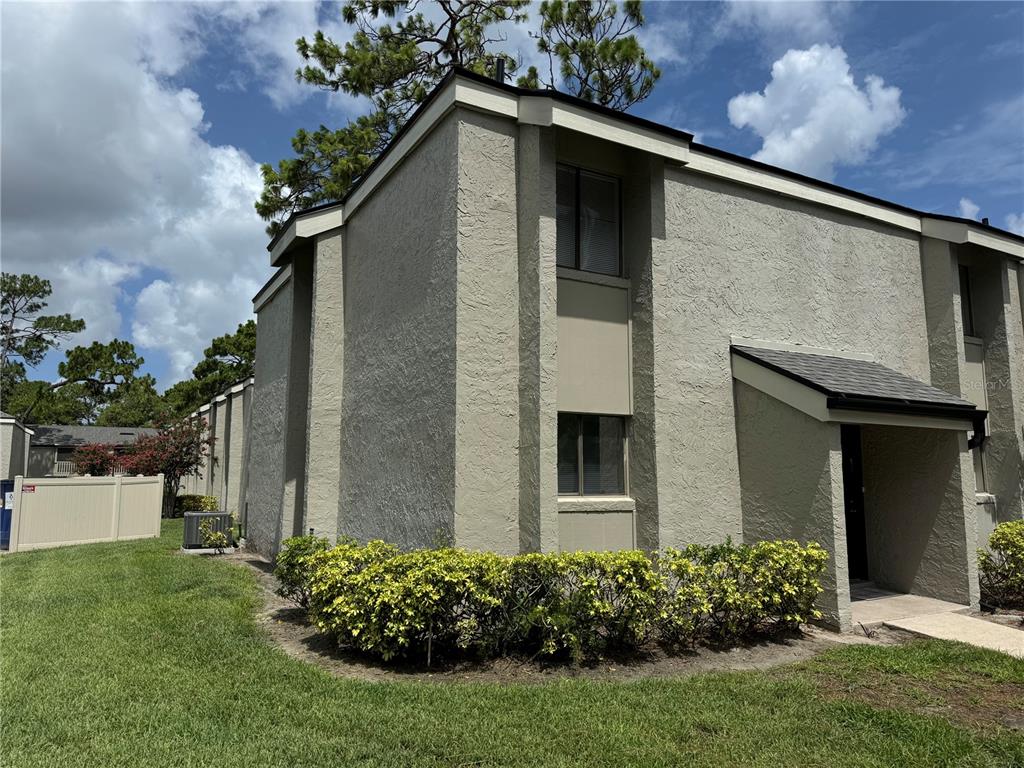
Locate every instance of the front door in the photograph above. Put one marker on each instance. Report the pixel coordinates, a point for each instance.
(853, 490)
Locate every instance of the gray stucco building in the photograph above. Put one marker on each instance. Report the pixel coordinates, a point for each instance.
(538, 324)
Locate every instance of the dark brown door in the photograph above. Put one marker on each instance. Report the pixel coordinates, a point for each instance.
(853, 490)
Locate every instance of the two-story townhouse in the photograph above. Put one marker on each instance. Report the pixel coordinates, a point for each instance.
(537, 324)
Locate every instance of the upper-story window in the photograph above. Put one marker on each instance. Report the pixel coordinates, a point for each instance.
(589, 224)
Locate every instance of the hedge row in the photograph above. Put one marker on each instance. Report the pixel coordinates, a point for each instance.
(388, 603)
(192, 502)
(1001, 566)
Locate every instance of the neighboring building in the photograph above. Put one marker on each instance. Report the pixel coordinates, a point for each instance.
(15, 439)
(537, 324)
(53, 445)
(226, 472)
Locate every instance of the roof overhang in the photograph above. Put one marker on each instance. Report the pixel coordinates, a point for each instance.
(16, 423)
(961, 231)
(463, 89)
(826, 407)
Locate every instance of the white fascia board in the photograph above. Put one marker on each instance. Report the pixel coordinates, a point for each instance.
(994, 242)
(899, 420)
(538, 110)
(17, 424)
(416, 133)
(963, 232)
(270, 289)
(713, 165)
(486, 99)
(782, 388)
(305, 226)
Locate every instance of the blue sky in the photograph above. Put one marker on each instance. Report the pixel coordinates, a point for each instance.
(130, 160)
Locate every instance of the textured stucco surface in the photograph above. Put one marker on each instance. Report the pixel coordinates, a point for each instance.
(920, 512)
(41, 460)
(296, 425)
(269, 409)
(538, 340)
(487, 340)
(994, 287)
(741, 262)
(398, 423)
(326, 384)
(218, 465)
(941, 283)
(13, 445)
(791, 485)
(235, 453)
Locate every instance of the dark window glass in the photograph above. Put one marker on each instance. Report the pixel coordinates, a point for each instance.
(600, 442)
(966, 307)
(568, 453)
(599, 224)
(602, 455)
(565, 225)
(588, 224)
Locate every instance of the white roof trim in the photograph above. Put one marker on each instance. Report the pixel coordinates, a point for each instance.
(815, 404)
(962, 232)
(545, 111)
(18, 424)
(713, 165)
(268, 291)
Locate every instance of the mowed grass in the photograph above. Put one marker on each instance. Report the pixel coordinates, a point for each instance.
(130, 655)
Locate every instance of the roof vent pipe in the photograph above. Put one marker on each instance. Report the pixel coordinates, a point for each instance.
(499, 70)
(985, 221)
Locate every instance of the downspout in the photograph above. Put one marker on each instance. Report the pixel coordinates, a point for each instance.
(978, 438)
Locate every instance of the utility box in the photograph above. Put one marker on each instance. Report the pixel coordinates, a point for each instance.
(194, 537)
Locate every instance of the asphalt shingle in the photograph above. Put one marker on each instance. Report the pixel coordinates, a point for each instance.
(843, 377)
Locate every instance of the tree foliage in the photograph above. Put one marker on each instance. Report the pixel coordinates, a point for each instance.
(95, 459)
(27, 333)
(179, 449)
(599, 57)
(228, 359)
(397, 55)
(400, 51)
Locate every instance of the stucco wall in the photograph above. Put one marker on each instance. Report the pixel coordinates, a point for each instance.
(740, 262)
(996, 302)
(13, 446)
(791, 486)
(235, 436)
(920, 512)
(269, 409)
(398, 422)
(217, 464)
(487, 347)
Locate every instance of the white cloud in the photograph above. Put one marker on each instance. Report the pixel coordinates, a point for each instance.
(778, 24)
(265, 33)
(107, 176)
(812, 115)
(1015, 223)
(968, 209)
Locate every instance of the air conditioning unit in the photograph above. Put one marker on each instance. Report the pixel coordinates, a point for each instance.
(194, 537)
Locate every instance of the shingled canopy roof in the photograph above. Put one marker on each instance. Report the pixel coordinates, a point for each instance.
(858, 384)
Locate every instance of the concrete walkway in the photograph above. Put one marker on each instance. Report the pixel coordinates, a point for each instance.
(966, 629)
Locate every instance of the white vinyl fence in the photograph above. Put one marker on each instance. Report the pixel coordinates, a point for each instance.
(55, 511)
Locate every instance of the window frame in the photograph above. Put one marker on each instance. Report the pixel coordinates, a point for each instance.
(580, 493)
(578, 172)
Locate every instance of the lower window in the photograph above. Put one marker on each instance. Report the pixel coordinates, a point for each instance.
(591, 455)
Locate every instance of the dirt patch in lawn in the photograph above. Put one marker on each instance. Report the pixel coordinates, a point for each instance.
(288, 628)
(969, 700)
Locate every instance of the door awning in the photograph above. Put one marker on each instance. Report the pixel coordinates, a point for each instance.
(845, 390)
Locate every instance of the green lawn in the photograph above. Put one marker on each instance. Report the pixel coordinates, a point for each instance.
(127, 654)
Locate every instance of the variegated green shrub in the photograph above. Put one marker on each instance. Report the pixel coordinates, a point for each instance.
(418, 604)
(1001, 566)
(293, 566)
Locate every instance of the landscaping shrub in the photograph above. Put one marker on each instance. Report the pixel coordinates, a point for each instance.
(212, 538)
(293, 564)
(418, 604)
(194, 503)
(1002, 566)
